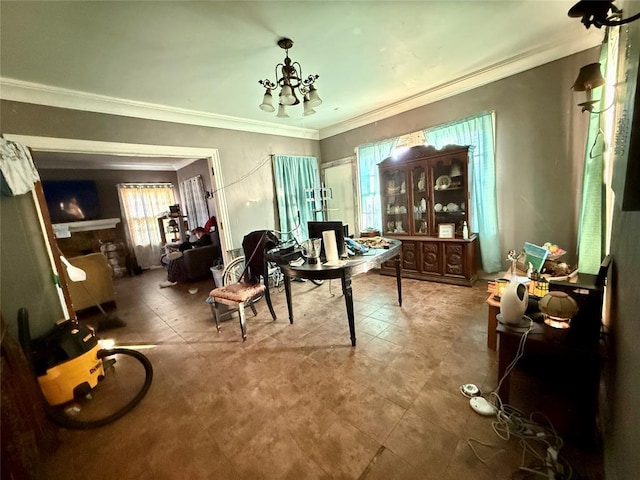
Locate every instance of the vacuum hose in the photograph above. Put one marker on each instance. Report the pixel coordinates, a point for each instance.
(57, 416)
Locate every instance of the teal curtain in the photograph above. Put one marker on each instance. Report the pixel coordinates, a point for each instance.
(293, 176)
(591, 231)
(369, 156)
(478, 132)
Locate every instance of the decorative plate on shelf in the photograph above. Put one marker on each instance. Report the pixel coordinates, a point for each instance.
(443, 182)
(452, 207)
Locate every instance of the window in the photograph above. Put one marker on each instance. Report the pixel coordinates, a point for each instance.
(141, 205)
(369, 156)
(478, 132)
(293, 176)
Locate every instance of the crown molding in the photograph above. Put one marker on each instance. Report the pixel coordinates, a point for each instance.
(39, 94)
(34, 93)
(512, 66)
(181, 156)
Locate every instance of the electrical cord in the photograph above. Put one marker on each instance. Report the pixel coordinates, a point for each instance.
(246, 175)
(540, 442)
(519, 353)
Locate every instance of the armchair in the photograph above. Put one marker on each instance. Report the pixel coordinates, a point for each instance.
(198, 261)
(99, 282)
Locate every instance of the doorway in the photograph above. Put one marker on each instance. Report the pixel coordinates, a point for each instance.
(89, 147)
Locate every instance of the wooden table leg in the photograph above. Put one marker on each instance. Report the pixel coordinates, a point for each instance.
(287, 291)
(348, 299)
(265, 276)
(399, 278)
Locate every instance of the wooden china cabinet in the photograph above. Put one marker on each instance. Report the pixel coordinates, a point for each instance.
(425, 204)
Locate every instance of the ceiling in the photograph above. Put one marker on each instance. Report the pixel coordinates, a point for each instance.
(200, 62)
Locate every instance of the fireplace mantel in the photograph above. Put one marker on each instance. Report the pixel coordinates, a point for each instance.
(64, 230)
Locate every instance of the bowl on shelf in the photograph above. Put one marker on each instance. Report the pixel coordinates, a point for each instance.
(443, 182)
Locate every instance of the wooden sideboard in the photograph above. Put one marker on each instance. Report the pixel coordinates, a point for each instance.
(438, 259)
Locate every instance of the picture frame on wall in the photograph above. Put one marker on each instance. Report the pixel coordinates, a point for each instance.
(447, 230)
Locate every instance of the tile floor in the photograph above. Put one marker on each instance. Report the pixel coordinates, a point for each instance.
(297, 401)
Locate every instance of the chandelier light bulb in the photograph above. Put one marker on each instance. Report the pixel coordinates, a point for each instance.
(282, 112)
(286, 96)
(314, 98)
(267, 102)
(308, 109)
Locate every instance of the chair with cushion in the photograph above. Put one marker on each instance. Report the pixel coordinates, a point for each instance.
(248, 287)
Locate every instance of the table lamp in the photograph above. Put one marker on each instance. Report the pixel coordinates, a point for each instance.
(500, 285)
(558, 309)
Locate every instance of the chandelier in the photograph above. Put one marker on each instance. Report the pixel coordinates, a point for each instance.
(292, 86)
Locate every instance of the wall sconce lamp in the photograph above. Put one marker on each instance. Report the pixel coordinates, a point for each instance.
(596, 12)
(589, 78)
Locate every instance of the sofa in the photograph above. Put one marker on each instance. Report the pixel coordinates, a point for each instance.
(97, 288)
(198, 261)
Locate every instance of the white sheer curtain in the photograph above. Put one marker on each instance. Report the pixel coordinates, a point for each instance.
(193, 199)
(141, 206)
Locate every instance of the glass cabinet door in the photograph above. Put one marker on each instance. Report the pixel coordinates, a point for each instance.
(448, 181)
(420, 200)
(395, 207)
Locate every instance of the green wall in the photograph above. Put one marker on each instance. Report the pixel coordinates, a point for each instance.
(26, 279)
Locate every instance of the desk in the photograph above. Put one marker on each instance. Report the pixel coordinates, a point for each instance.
(351, 267)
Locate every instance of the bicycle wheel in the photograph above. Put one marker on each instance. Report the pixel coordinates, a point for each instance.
(127, 378)
(232, 271)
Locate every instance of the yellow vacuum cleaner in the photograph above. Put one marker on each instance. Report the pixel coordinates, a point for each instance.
(66, 362)
(69, 363)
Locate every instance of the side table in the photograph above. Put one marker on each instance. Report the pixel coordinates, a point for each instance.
(492, 322)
